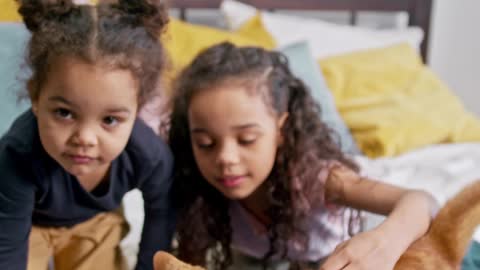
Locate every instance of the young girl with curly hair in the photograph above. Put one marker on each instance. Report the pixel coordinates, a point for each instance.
(67, 162)
(260, 177)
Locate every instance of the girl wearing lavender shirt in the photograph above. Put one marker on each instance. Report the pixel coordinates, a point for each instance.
(259, 173)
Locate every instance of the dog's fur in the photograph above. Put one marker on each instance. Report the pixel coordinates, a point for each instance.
(166, 261)
(445, 244)
(442, 248)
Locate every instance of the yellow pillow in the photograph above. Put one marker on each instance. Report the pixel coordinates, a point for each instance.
(393, 103)
(8, 11)
(255, 29)
(184, 41)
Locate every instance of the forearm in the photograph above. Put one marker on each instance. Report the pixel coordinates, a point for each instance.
(411, 216)
(157, 235)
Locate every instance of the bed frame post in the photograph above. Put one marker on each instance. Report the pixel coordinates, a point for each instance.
(421, 15)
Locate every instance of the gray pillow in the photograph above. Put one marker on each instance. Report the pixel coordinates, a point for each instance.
(304, 66)
(13, 39)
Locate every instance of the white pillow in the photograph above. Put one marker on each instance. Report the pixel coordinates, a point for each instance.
(326, 39)
(236, 13)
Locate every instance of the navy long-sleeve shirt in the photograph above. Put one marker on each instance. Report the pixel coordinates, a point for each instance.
(35, 189)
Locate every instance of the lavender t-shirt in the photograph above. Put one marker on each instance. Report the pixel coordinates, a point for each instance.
(325, 227)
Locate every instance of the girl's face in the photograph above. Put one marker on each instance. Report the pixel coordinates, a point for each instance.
(85, 115)
(234, 136)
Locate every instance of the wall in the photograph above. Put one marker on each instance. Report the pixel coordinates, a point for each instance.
(455, 48)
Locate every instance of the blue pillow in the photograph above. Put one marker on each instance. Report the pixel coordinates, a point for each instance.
(304, 66)
(13, 41)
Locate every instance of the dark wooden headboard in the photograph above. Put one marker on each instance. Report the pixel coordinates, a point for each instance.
(419, 11)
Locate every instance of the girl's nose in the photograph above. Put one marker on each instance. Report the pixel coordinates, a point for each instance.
(85, 137)
(228, 154)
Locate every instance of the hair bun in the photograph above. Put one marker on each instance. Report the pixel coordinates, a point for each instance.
(151, 13)
(35, 12)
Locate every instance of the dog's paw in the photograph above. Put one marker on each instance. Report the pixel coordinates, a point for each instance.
(166, 261)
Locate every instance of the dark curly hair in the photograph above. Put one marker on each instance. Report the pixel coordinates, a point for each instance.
(308, 143)
(123, 34)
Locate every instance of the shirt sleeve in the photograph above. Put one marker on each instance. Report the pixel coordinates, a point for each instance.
(160, 216)
(17, 195)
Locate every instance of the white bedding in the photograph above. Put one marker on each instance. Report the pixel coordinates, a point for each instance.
(440, 169)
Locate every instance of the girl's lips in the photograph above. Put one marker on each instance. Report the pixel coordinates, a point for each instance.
(80, 159)
(232, 181)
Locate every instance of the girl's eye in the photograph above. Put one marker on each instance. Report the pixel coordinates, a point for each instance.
(110, 121)
(63, 113)
(247, 140)
(202, 141)
(205, 145)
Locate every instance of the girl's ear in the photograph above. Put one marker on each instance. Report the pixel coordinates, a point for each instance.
(34, 100)
(280, 123)
(282, 119)
(34, 108)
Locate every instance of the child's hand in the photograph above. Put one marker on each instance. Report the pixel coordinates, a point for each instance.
(365, 251)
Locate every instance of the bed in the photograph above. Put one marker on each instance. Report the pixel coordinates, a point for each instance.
(404, 125)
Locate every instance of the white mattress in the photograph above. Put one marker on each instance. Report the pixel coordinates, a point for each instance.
(440, 169)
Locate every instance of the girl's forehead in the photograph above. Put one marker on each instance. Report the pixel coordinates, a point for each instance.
(230, 97)
(228, 106)
(85, 83)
